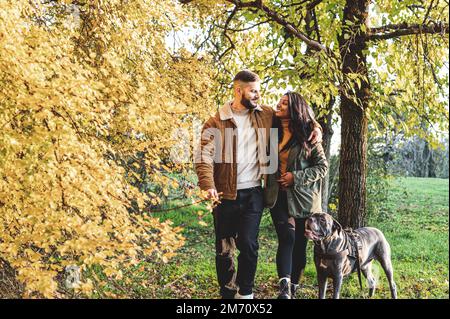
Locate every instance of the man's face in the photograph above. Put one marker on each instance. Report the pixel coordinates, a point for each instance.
(249, 94)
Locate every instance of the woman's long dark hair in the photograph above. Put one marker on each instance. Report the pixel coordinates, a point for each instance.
(300, 126)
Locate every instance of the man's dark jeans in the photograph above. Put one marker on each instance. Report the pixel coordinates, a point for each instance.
(236, 224)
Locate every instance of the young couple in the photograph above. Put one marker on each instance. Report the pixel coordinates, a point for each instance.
(232, 160)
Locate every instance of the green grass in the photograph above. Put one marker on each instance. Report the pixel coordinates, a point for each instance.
(416, 225)
(414, 220)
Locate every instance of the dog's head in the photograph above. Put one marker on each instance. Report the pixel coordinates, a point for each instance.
(320, 226)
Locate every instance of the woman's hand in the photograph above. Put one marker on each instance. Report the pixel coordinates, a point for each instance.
(286, 180)
(316, 136)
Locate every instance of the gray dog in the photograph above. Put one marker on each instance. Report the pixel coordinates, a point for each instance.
(336, 253)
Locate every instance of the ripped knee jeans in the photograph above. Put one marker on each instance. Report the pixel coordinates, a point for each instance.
(236, 224)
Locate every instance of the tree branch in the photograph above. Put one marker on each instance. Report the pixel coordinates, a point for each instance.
(232, 46)
(426, 58)
(309, 6)
(397, 30)
(258, 4)
(316, 25)
(245, 29)
(428, 11)
(200, 46)
(313, 4)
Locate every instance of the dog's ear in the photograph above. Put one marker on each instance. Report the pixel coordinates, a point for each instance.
(336, 226)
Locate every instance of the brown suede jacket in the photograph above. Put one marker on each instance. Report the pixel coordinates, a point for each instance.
(215, 158)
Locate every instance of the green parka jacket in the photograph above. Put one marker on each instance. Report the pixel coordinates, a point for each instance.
(304, 196)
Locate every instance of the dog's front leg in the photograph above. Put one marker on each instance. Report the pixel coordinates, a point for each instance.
(322, 281)
(337, 284)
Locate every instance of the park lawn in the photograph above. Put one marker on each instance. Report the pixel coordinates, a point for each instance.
(414, 221)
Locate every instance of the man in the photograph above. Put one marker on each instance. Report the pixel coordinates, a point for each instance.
(230, 160)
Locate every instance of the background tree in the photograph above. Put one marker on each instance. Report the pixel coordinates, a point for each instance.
(412, 155)
(365, 55)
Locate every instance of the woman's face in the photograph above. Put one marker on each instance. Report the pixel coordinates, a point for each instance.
(282, 110)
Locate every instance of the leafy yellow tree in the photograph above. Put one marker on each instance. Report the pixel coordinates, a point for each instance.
(83, 83)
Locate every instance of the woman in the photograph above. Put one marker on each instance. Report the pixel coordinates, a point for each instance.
(294, 191)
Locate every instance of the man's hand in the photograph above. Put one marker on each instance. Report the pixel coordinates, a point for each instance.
(316, 136)
(286, 180)
(212, 193)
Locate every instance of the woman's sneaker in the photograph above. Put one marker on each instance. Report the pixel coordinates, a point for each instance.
(294, 289)
(285, 288)
(239, 296)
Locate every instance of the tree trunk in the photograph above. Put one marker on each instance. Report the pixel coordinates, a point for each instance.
(428, 164)
(431, 165)
(353, 166)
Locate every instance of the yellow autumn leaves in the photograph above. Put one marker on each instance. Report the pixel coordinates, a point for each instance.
(78, 90)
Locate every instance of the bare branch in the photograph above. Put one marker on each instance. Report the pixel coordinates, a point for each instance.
(397, 30)
(428, 11)
(426, 59)
(313, 4)
(200, 46)
(294, 4)
(245, 29)
(309, 6)
(316, 25)
(258, 4)
(414, 8)
(232, 46)
(279, 52)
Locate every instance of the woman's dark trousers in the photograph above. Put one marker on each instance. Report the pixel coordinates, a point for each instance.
(291, 253)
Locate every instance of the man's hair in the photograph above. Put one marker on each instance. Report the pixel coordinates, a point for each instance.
(246, 76)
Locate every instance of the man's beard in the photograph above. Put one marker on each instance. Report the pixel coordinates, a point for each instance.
(248, 103)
